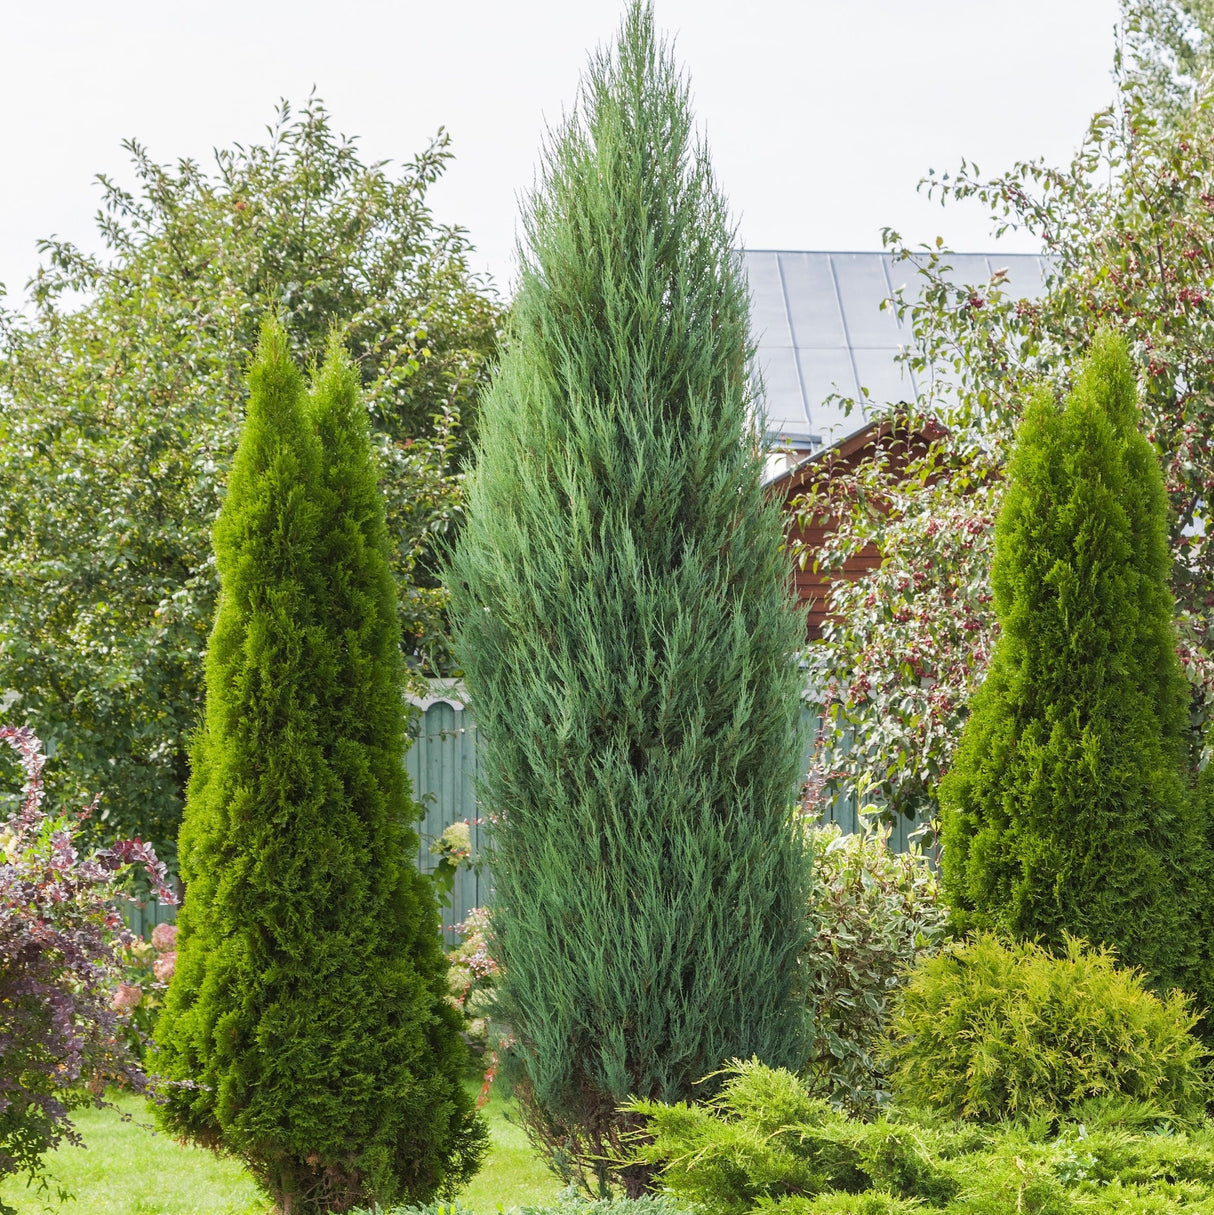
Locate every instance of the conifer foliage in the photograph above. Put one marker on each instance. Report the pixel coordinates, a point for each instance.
(306, 1023)
(626, 629)
(1069, 807)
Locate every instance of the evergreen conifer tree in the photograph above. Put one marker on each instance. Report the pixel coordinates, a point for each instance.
(1069, 807)
(625, 624)
(307, 1015)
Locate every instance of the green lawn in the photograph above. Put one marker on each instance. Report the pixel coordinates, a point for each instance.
(126, 1168)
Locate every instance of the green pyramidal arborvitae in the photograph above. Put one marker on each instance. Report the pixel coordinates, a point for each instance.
(624, 619)
(1069, 807)
(307, 1014)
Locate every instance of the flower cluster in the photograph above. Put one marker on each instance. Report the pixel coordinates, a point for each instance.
(148, 967)
(454, 851)
(472, 977)
(473, 970)
(164, 941)
(455, 843)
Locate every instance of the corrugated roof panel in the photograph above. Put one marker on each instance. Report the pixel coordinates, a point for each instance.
(887, 380)
(809, 292)
(828, 419)
(1024, 277)
(824, 372)
(902, 273)
(969, 269)
(800, 303)
(862, 286)
(783, 405)
(768, 314)
(1027, 276)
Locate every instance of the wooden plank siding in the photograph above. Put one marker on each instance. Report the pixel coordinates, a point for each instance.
(882, 438)
(813, 586)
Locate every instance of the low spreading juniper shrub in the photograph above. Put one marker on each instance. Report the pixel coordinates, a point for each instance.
(568, 1202)
(846, 1204)
(764, 1144)
(763, 1137)
(987, 1031)
(572, 1202)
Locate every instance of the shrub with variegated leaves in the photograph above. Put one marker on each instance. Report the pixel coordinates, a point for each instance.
(473, 972)
(872, 913)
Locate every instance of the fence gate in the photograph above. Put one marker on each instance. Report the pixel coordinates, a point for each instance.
(442, 765)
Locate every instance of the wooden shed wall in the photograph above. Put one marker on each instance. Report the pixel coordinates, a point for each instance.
(813, 586)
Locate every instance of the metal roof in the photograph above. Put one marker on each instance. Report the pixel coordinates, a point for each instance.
(819, 326)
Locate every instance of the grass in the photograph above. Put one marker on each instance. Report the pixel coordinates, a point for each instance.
(126, 1168)
(512, 1174)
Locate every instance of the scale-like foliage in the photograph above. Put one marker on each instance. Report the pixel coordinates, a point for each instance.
(992, 1033)
(1068, 809)
(308, 1004)
(627, 633)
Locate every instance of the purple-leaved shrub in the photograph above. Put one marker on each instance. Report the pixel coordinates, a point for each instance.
(64, 1001)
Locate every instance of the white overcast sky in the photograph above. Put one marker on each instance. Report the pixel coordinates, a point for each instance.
(822, 115)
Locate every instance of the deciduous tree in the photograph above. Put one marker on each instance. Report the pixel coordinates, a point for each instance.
(1127, 228)
(120, 406)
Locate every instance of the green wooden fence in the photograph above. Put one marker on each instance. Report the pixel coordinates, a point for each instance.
(442, 763)
(142, 917)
